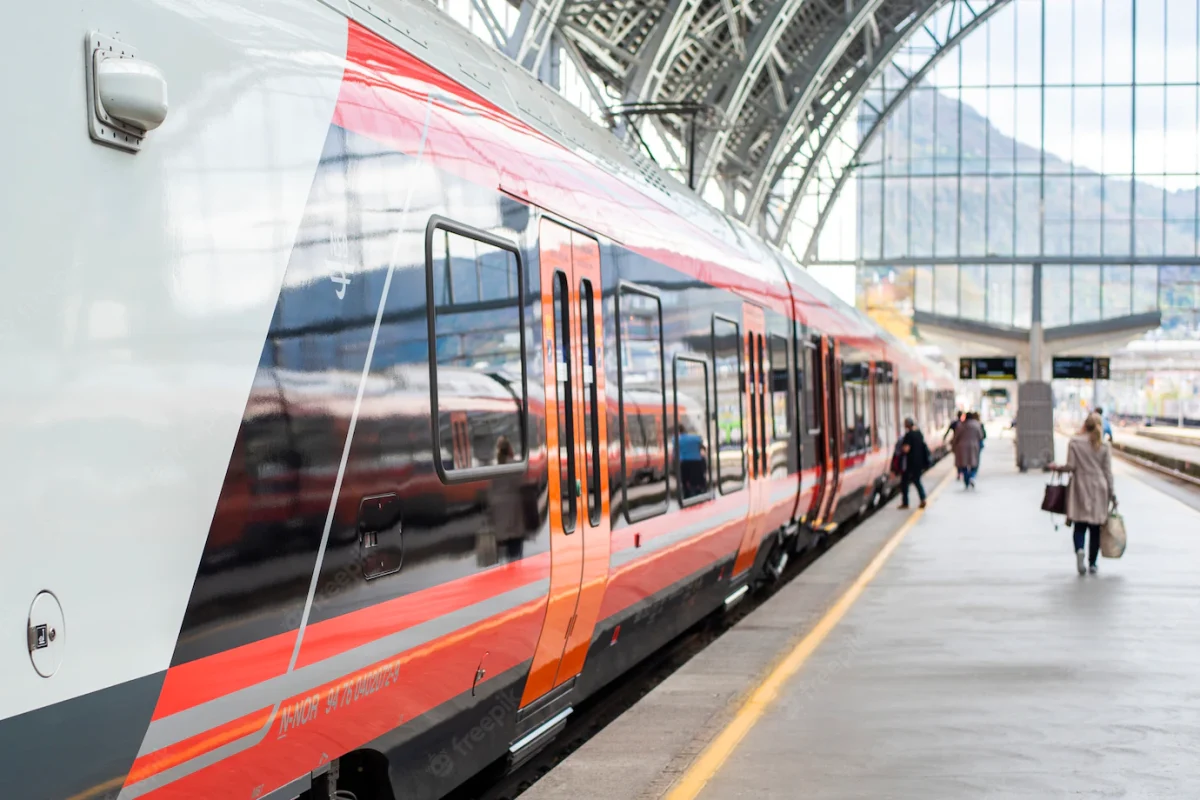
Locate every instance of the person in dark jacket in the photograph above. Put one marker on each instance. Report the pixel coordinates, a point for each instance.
(914, 454)
(959, 417)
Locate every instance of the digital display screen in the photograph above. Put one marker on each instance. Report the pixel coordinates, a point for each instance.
(997, 369)
(966, 369)
(1074, 367)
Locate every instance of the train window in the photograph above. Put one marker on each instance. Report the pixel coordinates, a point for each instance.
(727, 396)
(591, 403)
(476, 320)
(643, 406)
(854, 408)
(906, 401)
(692, 414)
(886, 430)
(808, 387)
(752, 393)
(564, 395)
(778, 380)
(760, 378)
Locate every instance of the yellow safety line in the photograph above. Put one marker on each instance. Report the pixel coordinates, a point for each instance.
(718, 751)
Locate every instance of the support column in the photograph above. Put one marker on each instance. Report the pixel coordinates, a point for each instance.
(1035, 403)
(1037, 334)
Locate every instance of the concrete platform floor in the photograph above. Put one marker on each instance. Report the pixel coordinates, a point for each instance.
(977, 664)
(980, 665)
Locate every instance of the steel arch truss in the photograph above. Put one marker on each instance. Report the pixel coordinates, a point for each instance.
(821, 180)
(781, 76)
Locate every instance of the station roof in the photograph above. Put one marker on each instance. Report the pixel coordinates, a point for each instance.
(769, 72)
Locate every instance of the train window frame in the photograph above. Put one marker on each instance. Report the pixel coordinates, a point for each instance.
(856, 400)
(468, 474)
(879, 382)
(684, 502)
(774, 339)
(591, 400)
(740, 384)
(568, 471)
(646, 512)
(812, 359)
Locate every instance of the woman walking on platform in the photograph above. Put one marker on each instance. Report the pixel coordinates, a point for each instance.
(1089, 461)
(968, 437)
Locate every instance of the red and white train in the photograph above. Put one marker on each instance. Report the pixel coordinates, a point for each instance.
(375, 408)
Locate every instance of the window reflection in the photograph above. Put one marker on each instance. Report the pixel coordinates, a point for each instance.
(855, 413)
(477, 330)
(642, 403)
(691, 427)
(727, 364)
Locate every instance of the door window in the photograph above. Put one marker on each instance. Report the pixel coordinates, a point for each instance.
(563, 395)
(591, 425)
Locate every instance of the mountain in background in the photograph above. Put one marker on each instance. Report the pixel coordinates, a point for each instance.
(1000, 213)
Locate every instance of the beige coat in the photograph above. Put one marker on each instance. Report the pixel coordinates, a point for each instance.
(1091, 481)
(968, 437)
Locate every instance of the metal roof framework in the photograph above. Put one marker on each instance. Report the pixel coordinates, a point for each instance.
(782, 78)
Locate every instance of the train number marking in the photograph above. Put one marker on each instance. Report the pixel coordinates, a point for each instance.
(299, 713)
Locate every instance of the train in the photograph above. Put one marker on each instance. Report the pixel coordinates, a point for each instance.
(370, 408)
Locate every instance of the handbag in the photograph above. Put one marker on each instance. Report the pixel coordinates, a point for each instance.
(897, 465)
(1112, 534)
(1054, 499)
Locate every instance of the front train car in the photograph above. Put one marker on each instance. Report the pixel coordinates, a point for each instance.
(386, 407)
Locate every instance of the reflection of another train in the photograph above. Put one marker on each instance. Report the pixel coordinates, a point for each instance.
(288, 450)
(644, 439)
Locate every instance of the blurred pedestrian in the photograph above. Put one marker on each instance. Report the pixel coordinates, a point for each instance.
(1106, 426)
(959, 416)
(915, 459)
(1090, 493)
(967, 439)
(982, 428)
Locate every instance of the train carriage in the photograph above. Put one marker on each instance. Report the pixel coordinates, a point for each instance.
(403, 410)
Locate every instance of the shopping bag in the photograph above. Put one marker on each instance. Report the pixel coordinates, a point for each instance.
(1112, 535)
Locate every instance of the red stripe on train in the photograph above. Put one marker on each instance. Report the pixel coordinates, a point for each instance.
(214, 676)
(314, 726)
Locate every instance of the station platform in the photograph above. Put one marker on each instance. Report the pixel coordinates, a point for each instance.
(953, 653)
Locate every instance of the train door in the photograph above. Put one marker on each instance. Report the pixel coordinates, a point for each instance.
(832, 429)
(815, 454)
(576, 441)
(754, 388)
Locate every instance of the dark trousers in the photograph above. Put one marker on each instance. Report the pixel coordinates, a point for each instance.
(1093, 539)
(913, 480)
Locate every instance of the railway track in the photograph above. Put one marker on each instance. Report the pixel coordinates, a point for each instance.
(1155, 466)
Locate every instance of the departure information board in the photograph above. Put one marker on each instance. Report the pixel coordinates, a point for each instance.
(1003, 368)
(1080, 368)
